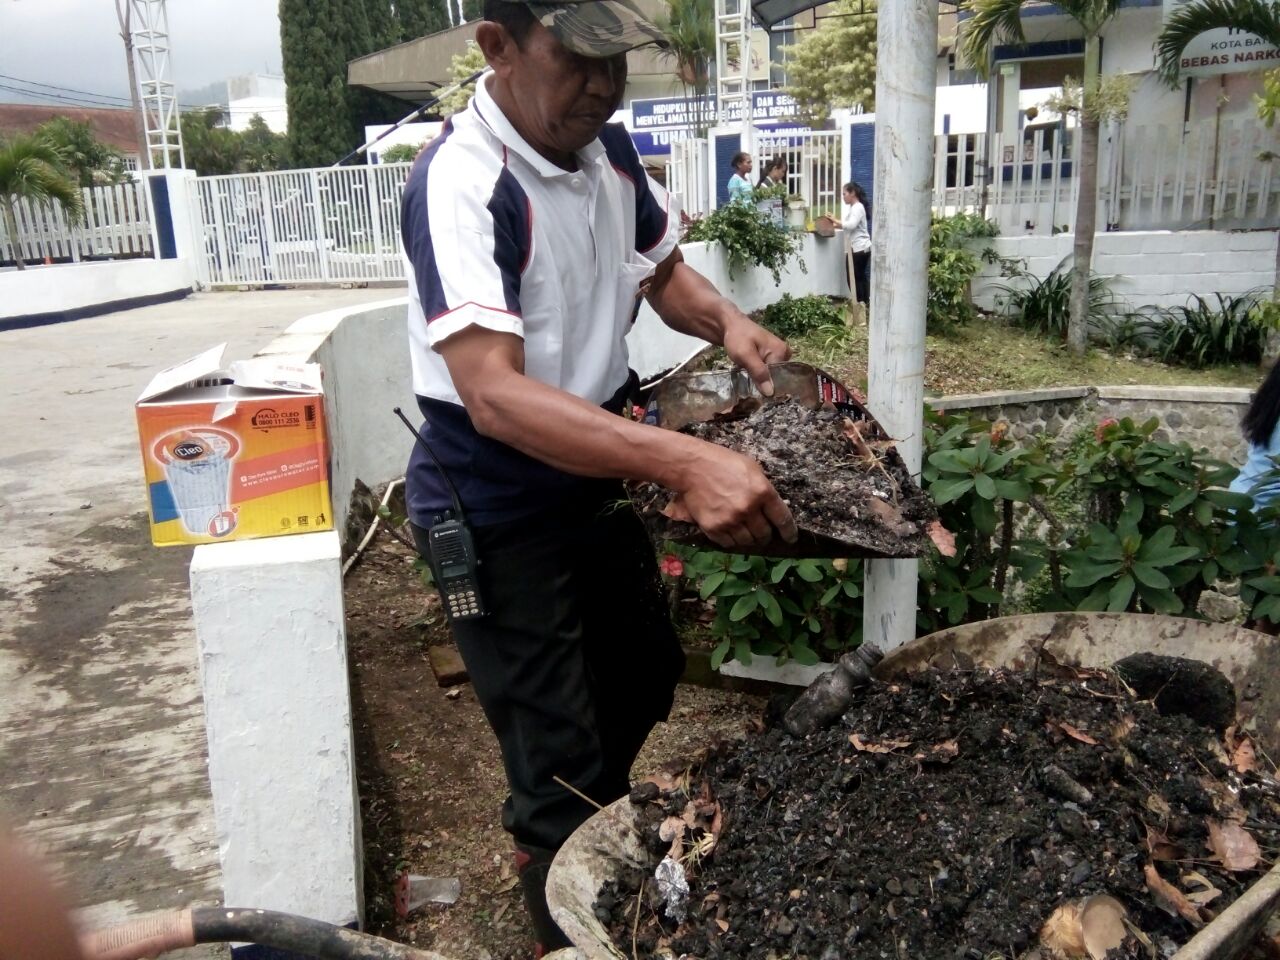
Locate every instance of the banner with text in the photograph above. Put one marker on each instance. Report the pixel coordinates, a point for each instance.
(1223, 50)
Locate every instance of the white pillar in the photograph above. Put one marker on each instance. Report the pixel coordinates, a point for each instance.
(273, 666)
(905, 80)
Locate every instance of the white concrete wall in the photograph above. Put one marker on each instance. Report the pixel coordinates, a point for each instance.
(64, 287)
(655, 347)
(1157, 267)
(273, 661)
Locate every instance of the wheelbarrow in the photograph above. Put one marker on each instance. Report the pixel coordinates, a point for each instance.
(602, 846)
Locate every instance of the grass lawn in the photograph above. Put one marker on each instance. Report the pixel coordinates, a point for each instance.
(988, 355)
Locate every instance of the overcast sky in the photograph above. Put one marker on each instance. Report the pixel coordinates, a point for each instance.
(76, 43)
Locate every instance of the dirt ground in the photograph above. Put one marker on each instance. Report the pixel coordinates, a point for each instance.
(430, 778)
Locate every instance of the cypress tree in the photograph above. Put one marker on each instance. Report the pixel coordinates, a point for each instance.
(384, 28)
(418, 18)
(315, 68)
(472, 9)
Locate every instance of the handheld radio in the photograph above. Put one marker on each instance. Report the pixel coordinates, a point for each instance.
(451, 549)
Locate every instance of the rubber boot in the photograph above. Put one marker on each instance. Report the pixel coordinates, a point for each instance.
(532, 864)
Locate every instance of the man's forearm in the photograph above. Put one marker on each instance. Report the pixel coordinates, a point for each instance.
(689, 303)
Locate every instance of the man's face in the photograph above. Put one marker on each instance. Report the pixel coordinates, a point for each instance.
(565, 98)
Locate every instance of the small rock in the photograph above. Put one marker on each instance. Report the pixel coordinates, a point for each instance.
(785, 927)
(453, 694)
(644, 792)
(894, 886)
(87, 505)
(1219, 607)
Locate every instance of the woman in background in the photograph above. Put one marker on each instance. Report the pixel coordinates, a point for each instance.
(775, 172)
(855, 221)
(739, 181)
(1261, 427)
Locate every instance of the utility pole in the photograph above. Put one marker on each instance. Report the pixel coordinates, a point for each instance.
(905, 98)
(159, 94)
(124, 14)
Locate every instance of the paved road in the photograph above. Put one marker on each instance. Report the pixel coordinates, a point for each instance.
(102, 748)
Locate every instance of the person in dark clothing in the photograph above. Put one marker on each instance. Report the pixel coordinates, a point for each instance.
(530, 229)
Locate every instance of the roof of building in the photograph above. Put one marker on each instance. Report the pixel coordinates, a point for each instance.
(113, 127)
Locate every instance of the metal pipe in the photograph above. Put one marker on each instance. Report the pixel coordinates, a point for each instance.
(905, 79)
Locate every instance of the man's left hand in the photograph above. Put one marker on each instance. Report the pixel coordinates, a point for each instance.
(753, 348)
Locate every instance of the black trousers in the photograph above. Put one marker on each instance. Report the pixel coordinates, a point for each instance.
(576, 661)
(860, 282)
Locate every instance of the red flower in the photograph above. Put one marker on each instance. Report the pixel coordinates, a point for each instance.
(671, 565)
(1102, 427)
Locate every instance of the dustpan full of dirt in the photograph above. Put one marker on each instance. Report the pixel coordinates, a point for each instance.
(829, 459)
(1000, 791)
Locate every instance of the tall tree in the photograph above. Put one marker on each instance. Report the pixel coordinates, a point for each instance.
(384, 27)
(419, 18)
(91, 160)
(994, 21)
(315, 69)
(835, 65)
(1258, 17)
(33, 169)
(689, 27)
(472, 9)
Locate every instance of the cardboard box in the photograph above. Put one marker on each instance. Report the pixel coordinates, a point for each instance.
(235, 453)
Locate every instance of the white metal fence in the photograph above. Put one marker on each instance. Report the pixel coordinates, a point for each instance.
(813, 166)
(303, 226)
(116, 225)
(1206, 175)
(687, 176)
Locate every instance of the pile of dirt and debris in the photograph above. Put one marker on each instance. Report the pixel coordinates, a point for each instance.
(968, 814)
(840, 475)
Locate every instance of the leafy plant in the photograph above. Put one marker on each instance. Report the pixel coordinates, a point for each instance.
(793, 317)
(401, 153)
(953, 264)
(33, 169)
(1045, 305)
(749, 237)
(788, 609)
(835, 65)
(92, 161)
(1228, 329)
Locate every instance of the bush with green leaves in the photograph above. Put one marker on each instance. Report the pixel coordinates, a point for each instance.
(801, 610)
(1114, 520)
(793, 317)
(1207, 332)
(953, 264)
(1044, 305)
(401, 153)
(750, 239)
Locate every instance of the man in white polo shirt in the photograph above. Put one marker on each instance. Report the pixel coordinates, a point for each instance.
(531, 229)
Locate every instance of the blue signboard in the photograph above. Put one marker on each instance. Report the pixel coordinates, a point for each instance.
(657, 123)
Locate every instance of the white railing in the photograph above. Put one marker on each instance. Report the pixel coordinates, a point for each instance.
(687, 176)
(330, 225)
(116, 225)
(1206, 175)
(813, 166)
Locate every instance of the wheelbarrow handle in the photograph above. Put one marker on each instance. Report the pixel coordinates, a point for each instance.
(159, 933)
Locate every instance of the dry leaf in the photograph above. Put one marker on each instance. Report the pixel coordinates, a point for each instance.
(1170, 899)
(723, 925)
(1123, 727)
(664, 781)
(1225, 803)
(1233, 846)
(676, 510)
(671, 831)
(1085, 928)
(1075, 734)
(1244, 758)
(943, 752)
(1158, 805)
(885, 746)
(1206, 893)
(1160, 846)
(942, 538)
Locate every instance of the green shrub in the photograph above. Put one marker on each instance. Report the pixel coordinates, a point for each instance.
(953, 264)
(1113, 520)
(401, 153)
(749, 237)
(793, 317)
(1045, 305)
(1226, 329)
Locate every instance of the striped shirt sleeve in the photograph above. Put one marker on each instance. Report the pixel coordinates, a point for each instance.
(468, 235)
(657, 224)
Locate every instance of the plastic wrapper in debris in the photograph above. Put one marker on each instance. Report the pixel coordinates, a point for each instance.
(673, 887)
(413, 891)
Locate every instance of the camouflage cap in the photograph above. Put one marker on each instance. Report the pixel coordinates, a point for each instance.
(597, 28)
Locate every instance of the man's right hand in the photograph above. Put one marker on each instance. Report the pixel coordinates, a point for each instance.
(728, 496)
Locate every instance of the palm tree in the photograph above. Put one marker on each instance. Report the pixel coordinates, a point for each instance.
(1001, 20)
(690, 30)
(32, 169)
(1258, 17)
